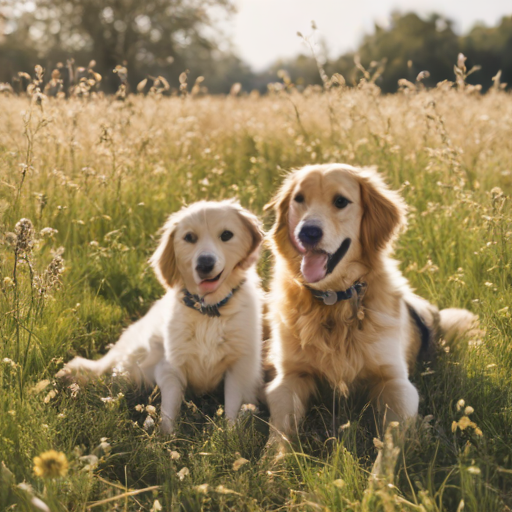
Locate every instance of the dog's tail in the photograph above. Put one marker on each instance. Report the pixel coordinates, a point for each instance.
(458, 323)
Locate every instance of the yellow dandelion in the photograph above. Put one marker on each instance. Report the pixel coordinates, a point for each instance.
(50, 464)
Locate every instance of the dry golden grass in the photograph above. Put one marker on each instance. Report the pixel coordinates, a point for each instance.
(95, 177)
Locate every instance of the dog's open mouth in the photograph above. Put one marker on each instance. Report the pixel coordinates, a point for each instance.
(318, 264)
(213, 279)
(210, 285)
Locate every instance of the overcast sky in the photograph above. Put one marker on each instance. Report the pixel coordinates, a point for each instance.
(264, 30)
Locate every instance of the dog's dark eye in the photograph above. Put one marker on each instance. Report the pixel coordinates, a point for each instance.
(190, 238)
(299, 198)
(341, 202)
(226, 235)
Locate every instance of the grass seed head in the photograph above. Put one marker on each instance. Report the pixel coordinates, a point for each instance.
(24, 230)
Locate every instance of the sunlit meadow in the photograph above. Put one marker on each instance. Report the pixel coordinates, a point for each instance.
(86, 182)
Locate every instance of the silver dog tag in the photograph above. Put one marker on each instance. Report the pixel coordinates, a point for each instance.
(330, 298)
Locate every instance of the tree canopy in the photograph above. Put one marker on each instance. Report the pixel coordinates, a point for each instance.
(153, 37)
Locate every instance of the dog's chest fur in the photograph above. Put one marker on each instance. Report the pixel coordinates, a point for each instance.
(203, 348)
(330, 343)
(329, 340)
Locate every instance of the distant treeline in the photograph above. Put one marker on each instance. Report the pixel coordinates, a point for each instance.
(411, 45)
(107, 44)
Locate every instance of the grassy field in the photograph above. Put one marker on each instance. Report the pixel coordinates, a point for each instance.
(97, 177)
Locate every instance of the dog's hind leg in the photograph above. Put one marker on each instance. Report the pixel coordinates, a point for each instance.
(81, 368)
(133, 347)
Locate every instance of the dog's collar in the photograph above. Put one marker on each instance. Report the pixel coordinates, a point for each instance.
(330, 297)
(197, 303)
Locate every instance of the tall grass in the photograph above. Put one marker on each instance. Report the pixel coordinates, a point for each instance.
(94, 178)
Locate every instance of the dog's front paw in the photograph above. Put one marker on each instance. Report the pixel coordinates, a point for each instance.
(277, 447)
(166, 426)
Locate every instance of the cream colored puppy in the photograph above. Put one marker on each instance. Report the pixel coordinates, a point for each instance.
(340, 309)
(208, 324)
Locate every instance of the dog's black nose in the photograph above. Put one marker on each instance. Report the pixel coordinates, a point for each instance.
(310, 234)
(205, 264)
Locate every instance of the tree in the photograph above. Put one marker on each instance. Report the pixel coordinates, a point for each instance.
(490, 47)
(153, 37)
(411, 45)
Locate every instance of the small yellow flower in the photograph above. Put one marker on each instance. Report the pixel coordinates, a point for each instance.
(239, 463)
(465, 422)
(52, 394)
(469, 410)
(41, 386)
(175, 455)
(156, 506)
(474, 470)
(183, 472)
(50, 464)
(203, 488)
(224, 490)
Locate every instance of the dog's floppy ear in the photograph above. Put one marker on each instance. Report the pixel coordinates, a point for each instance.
(383, 212)
(280, 203)
(163, 260)
(253, 225)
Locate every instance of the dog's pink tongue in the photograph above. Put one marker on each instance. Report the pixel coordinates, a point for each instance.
(313, 266)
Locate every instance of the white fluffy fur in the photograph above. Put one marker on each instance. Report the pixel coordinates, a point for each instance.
(177, 347)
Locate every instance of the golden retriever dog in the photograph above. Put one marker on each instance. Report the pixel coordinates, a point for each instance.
(340, 309)
(208, 325)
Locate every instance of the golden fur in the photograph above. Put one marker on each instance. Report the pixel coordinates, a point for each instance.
(379, 343)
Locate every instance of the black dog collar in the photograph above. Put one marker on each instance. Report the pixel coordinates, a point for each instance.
(197, 303)
(330, 297)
